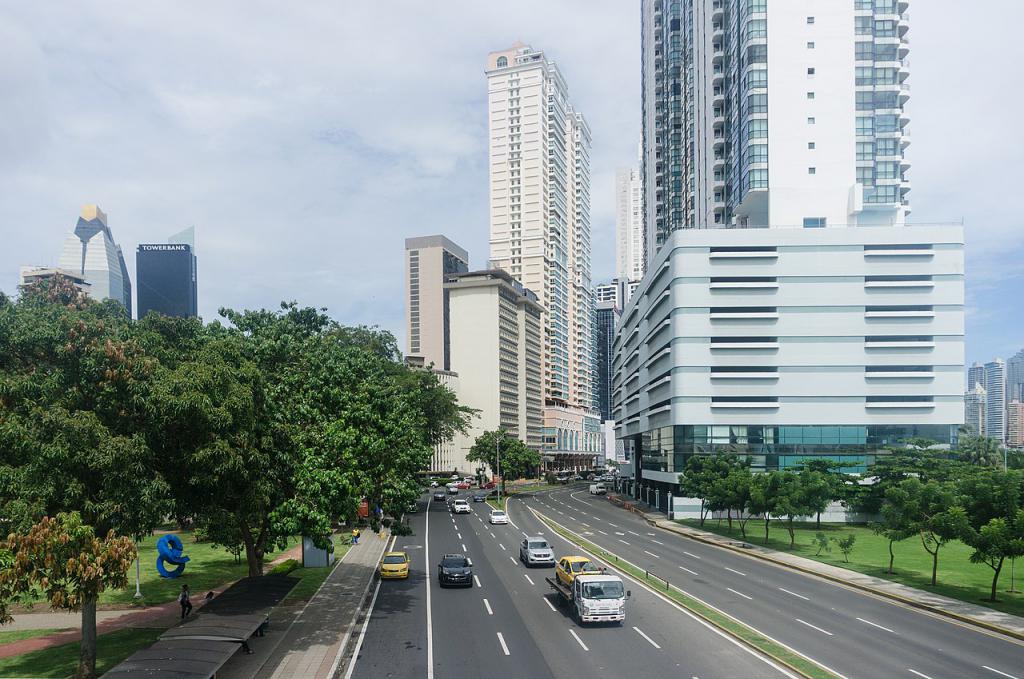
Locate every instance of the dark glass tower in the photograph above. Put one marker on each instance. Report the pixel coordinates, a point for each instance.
(166, 279)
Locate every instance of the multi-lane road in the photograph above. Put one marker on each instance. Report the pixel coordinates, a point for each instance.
(510, 623)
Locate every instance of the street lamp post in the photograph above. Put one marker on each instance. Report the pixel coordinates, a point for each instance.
(138, 574)
(497, 453)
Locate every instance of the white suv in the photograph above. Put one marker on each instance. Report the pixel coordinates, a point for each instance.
(460, 507)
(498, 516)
(535, 551)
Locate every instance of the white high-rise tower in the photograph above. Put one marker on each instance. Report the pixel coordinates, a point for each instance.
(629, 224)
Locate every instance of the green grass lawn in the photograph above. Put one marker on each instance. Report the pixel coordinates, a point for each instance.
(958, 578)
(60, 661)
(21, 635)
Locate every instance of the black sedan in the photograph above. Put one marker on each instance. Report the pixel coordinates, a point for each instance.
(440, 496)
(455, 569)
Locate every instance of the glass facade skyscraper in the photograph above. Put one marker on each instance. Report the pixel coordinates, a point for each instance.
(90, 251)
(167, 279)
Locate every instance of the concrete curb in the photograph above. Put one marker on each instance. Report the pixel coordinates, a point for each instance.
(672, 528)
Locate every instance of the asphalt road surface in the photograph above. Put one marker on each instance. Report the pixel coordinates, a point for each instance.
(853, 633)
(510, 624)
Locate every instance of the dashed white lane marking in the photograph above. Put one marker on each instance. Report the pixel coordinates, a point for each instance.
(658, 543)
(623, 541)
(992, 669)
(875, 624)
(652, 554)
(578, 640)
(749, 598)
(524, 534)
(560, 512)
(464, 547)
(803, 622)
(689, 554)
(492, 535)
(504, 647)
(528, 578)
(612, 524)
(649, 640)
(798, 596)
(514, 561)
(459, 535)
(585, 524)
(633, 532)
(920, 674)
(601, 532)
(733, 570)
(689, 571)
(477, 581)
(487, 605)
(501, 545)
(549, 604)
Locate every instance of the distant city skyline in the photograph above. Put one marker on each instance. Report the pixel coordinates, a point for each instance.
(294, 180)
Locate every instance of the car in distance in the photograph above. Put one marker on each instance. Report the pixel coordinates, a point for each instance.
(498, 516)
(480, 496)
(452, 489)
(440, 495)
(535, 551)
(489, 485)
(455, 569)
(462, 485)
(394, 565)
(460, 507)
(597, 489)
(570, 566)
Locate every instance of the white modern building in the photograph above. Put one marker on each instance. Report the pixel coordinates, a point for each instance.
(90, 252)
(495, 348)
(34, 274)
(629, 224)
(974, 410)
(758, 113)
(539, 171)
(428, 260)
(618, 291)
(995, 400)
(786, 343)
(1015, 376)
(975, 376)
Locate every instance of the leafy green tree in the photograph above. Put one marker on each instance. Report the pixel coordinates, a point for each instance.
(895, 525)
(839, 484)
(845, 545)
(736, 495)
(62, 558)
(764, 492)
(917, 459)
(795, 495)
(980, 451)
(821, 540)
(992, 500)
(516, 459)
(932, 511)
(703, 479)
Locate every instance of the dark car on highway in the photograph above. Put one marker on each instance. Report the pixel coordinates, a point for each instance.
(440, 495)
(455, 569)
(480, 496)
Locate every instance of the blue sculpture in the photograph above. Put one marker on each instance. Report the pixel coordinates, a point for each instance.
(170, 548)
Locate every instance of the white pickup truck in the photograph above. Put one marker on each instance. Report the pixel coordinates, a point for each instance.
(594, 598)
(597, 489)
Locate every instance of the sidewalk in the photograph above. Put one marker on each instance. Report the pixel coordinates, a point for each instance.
(307, 640)
(988, 618)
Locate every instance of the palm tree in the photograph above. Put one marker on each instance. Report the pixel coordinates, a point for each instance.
(981, 451)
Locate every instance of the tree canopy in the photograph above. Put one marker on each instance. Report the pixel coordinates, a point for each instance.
(516, 459)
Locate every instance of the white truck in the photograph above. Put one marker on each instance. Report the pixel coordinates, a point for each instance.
(594, 598)
(597, 489)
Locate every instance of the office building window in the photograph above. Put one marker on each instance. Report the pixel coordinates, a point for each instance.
(810, 20)
(810, 71)
(814, 222)
(812, 170)
(866, 150)
(758, 153)
(757, 103)
(866, 176)
(810, 95)
(810, 45)
(810, 120)
(810, 145)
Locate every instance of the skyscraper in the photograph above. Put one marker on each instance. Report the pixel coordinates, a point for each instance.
(90, 251)
(1015, 376)
(540, 210)
(428, 262)
(975, 376)
(168, 277)
(758, 113)
(607, 317)
(974, 410)
(629, 224)
(995, 400)
(1015, 424)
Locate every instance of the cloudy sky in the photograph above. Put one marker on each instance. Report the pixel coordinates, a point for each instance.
(305, 141)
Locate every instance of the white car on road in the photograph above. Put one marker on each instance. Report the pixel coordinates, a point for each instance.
(460, 507)
(498, 516)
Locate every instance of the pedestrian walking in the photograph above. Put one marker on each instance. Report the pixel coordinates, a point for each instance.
(355, 536)
(186, 603)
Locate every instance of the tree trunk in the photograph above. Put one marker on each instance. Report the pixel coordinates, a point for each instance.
(818, 525)
(702, 514)
(87, 650)
(935, 565)
(728, 517)
(767, 519)
(743, 528)
(252, 556)
(995, 579)
(892, 557)
(792, 536)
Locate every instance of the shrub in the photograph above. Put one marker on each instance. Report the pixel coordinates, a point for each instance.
(284, 568)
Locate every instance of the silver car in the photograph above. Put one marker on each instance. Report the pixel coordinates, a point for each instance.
(535, 551)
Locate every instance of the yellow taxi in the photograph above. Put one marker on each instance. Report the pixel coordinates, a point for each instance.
(568, 567)
(394, 565)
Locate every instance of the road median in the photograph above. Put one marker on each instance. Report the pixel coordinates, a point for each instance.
(748, 636)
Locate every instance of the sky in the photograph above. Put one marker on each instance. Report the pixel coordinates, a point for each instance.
(306, 141)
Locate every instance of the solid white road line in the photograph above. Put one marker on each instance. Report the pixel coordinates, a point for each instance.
(501, 545)
(798, 596)
(743, 595)
(652, 554)
(649, 640)
(513, 523)
(501, 640)
(430, 627)
(362, 633)
(578, 640)
(487, 605)
(733, 570)
(689, 554)
(992, 669)
(476, 579)
(623, 541)
(920, 674)
(689, 571)
(524, 534)
(528, 578)
(549, 604)
(875, 624)
(803, 622)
